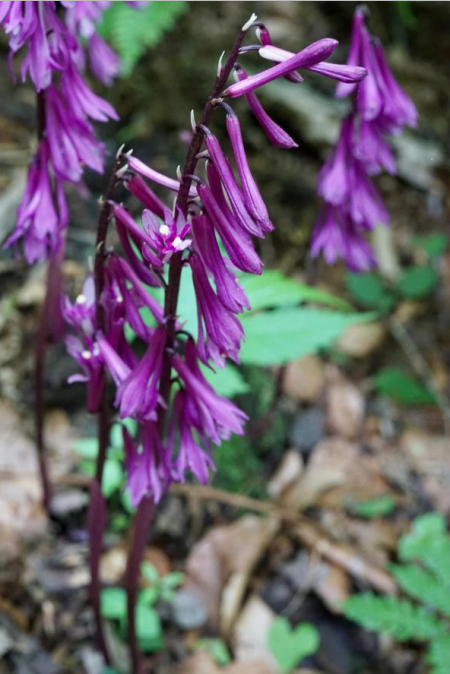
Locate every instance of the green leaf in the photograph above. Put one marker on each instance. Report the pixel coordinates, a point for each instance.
(282, 335)
(417, 282)
(149, 595)
(429, 543)
(148, 628)
(113, 603)
(150, 572)
(172, 580)
(87, 448)
(132, 31)
(369, 292)
(273, 289)
(217, 649)
(376, 507)
(434, 245)
(227, 382)
(396, 384)
(438, 655)
(402, 619)
(422, 585)
(112, 478)
(290, 645)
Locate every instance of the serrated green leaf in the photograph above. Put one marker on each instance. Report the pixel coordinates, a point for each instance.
(290, 645)
(422, 585)
(131, 32)
(438, 655)
(396, 384)
(400, 618)
(227, 382)
(87, 448)
(113, 603)
(112, 478)
(273, 289)
(417, 282)
(282, 335)
(429, 543)
(369, 291)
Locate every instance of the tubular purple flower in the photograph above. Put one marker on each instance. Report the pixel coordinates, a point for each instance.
(90, 362)
(314, 53)
(104, 62)
(237, 243)
(397, 106)
(354, 56)
(369, 99)
(146, 196)
(145, 275)
(191, 456)
(342, 73)
(137, 395)
(124, 272)
(39, 219)
(142, 169)
(371, 148)
(265, 39)
(228, 289)
(252, 197)
(216, 417)
(333, 184)
(83, 102)
(80, 315)
(117, 367)
(276, 135)
(219, 332)
(72, 142)
(148, 470)
(230, 185)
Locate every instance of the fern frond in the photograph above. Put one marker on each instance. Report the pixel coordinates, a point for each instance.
(400, 618)
(438, 655)
(429, 543)
(424, 586)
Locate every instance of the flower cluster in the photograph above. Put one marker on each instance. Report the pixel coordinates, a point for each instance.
(353, 205)
(52, 40)
(218, 213)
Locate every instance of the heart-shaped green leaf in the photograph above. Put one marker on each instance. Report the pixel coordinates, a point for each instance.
(290, 645)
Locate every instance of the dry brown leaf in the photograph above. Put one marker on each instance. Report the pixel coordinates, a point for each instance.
(21, 514)
(202, 663)
(223, 552)
(332, 585)
(250, 636)
(345, 406)
(289, 471)
(361, 339)
(430, 457)
(304, 379)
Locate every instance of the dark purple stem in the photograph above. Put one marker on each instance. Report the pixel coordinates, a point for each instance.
(97, 505)
(145, 512)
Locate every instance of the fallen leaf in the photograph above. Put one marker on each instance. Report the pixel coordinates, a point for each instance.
(289, 471)
(332, 585)
(430, 458)
(361, 339)
(217, 557)
(250, 635)
(345, 406)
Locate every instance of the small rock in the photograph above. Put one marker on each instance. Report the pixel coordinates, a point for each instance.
(68, 501)
(345, 410)
(361, 339)
(188, 610)
(304, 379)
(308, 429)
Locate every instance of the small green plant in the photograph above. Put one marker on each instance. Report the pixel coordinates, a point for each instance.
(217, 649)
(148, 624)
(290, 645)
(424, 576)
(375, 507)
(401, 387)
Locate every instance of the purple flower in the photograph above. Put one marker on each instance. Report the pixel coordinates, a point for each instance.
(148, 470)
(89, 359)
(237, 243)
(142, 169)
(398, 108)
(219, 331)
(83, 102)
(105, 64)
(213, 417)
(191, 455)
(146, 196)
(40, 217)
(137, 395)
(276, 135)
(354, 59)
(243, 217)
(252, 197)
(370, 147)
(228, 289)
(80, 315)
(313, 54)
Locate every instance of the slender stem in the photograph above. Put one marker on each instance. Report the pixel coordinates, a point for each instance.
(97, 505)
(145, 512)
